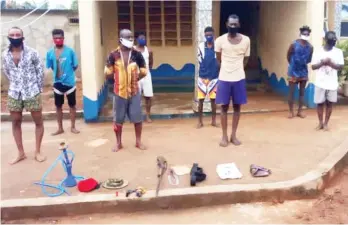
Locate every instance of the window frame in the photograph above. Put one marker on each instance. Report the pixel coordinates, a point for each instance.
(343, 20)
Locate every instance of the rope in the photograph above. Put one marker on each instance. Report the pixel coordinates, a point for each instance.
(60, 186)
(26, 15)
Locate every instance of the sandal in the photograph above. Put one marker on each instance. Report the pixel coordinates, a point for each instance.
(115, 183)
(259, 171)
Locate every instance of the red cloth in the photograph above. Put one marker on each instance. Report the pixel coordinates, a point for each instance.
(87, 185)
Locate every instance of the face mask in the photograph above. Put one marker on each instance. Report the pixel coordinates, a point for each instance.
(209, 39)
(232, 30)
(126, 43)
(16, 42)
(331, 42)
(58, 42)
(304, 37)
(142, 42)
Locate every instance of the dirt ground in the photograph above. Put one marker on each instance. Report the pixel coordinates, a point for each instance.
(330, 208)
(48, 99)
(270, 140)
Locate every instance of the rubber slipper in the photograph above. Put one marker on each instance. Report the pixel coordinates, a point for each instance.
(259, 171)
(115, 183)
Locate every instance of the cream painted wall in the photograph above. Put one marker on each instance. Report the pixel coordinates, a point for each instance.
(279, 27)
(216, 17)
(331, 14)
(92, 60)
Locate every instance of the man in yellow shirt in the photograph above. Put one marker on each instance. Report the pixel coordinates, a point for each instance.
(232, 52)
(126, 67)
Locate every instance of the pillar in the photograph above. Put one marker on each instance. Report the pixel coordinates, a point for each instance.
(203, 18)
(315, 22)
(92, 59)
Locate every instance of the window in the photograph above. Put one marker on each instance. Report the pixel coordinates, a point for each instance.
(73, 21)
(166, 23)
(344, 19)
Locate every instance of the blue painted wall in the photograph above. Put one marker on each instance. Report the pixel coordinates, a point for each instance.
(92, 108)
(280, 87)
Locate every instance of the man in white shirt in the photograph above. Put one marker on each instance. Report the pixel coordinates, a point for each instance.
(232, 52)
(326, 62)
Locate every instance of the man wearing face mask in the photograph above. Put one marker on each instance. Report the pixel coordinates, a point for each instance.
(232, 51)
(146, 83)
(23, 68)
(208, 74)
(326, 62)
(126, 66)
(299, 55)
(63, 61)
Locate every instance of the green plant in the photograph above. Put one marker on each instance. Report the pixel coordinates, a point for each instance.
(343, 74)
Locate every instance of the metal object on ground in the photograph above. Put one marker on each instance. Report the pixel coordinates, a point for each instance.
(162, 168)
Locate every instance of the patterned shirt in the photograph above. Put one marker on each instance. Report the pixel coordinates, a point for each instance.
(126, 79)
(27, 79)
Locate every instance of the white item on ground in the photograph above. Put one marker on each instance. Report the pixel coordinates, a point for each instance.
(96, 143)
(228, 171)
(181, 170)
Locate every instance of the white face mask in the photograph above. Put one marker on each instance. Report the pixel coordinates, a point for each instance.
(304, 37)
(127, 43)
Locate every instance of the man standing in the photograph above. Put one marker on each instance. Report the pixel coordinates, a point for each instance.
(126, 66)
(232, 51)
(208, 75)
(63, 61)
(299, 55)
(326, 61)
(146, 83)
(24, 70)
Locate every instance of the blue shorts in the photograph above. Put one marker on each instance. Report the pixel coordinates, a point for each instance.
(227, 90)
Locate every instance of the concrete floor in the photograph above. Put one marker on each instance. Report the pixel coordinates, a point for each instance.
(289, 148)
(177, 103)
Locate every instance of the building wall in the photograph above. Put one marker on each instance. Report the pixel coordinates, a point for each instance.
(38, 35)
(277, 34)
(93, 58)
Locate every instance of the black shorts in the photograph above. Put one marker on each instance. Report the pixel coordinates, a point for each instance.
(60, 90)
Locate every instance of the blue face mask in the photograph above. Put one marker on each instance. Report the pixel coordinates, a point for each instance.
(142, 42)
(209, 39)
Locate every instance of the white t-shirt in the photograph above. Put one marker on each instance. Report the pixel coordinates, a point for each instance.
(232, 57)
(326, 76)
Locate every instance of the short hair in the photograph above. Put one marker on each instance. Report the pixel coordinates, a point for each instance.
(124, 31)
(233, 16)
(17, 28)
(139, 33)
(305, 28)
(57, 32)
(208, 29)
(328, 33)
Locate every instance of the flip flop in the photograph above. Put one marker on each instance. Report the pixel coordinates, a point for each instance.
(115, 184)
(259, 171)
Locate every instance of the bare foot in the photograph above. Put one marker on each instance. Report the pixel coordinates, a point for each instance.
(39, 157)
(224, 142)
(59, 131)
(235, 141)
(319, 127)
(301, 115)
(148, 119)
(140, 146)
(18, 159)
(326, 127)
(291, 115)
(199, 125)
(74, 131)
(117, 148)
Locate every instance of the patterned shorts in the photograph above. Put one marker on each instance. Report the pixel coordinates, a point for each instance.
(31, 105)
